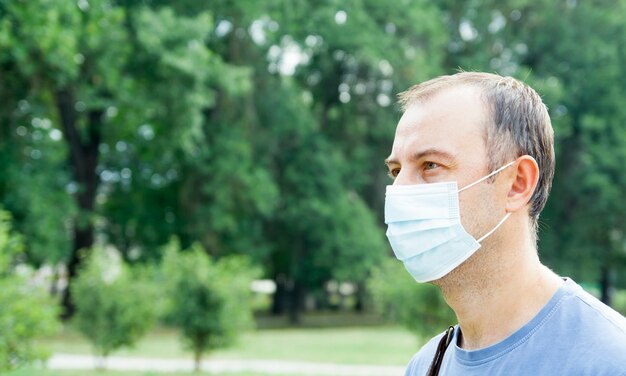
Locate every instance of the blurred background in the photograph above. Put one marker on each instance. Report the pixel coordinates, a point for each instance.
(213, 171)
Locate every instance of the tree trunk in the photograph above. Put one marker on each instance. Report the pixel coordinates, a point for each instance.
(359, 305)
(605, 285)
(197, 361)
(83, 160)
(279, 299)
(296, 287)
(83, 240)
(295, 302)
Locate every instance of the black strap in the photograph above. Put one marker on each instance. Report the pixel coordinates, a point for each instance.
(441, 350)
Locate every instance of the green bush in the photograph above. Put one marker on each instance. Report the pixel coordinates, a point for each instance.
(115, 304)
(210, 302)
(419, 307)
(619, 301)
(26, 311)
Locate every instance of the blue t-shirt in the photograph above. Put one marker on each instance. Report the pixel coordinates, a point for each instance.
(574, 334)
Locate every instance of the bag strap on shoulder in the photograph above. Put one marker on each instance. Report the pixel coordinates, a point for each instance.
(441, 350)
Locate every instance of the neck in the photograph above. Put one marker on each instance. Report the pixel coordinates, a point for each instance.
(497, 291)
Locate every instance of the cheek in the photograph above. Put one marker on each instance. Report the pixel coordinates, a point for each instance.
(502, 193)
(478, 209)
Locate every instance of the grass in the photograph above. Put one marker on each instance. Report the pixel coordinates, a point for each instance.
(40, 372)
(381, 345)
(367, 344)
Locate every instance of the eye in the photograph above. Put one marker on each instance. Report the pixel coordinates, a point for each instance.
(393, 173)
(430, 165)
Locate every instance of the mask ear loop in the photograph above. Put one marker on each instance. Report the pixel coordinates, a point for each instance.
(495, 228)
(480, 181)
(486, 177)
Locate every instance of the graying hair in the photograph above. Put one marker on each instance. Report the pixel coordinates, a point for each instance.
(519, 124)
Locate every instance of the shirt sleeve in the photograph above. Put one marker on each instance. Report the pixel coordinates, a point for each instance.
(419, 364)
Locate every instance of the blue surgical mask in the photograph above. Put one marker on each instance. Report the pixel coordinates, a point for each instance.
(425, 230)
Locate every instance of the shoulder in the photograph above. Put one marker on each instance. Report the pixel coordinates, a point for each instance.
(594, 331)
(420, 363)
(591, 312)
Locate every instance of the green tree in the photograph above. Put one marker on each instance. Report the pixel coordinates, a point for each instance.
(115, 305)
(331, 128)
(32, 160)
(209, 301)
(417, 306)
(26, 310)
(171, 123)
(111, 79)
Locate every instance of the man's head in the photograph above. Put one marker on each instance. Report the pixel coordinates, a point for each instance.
(515, 122)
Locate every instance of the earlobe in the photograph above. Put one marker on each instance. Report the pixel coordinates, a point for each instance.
(526, 176)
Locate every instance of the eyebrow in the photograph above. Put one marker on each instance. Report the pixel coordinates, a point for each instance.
(421, 154)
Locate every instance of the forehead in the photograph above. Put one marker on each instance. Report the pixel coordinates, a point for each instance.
(452, 120)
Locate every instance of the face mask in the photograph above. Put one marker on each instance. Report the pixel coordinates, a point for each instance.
(425, 230)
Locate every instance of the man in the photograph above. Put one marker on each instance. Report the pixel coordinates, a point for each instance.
(472, 162)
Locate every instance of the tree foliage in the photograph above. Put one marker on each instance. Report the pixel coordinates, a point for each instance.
(418, 307)
(209, 301)
(26, 311)
(115, 305)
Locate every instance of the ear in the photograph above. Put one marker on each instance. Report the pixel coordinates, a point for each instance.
(523, 185)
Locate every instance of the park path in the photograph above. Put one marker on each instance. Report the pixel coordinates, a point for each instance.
(222, 366)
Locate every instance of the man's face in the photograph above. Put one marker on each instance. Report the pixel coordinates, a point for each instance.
(443, 139)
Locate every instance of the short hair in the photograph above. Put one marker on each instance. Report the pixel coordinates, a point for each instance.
(519, 124)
